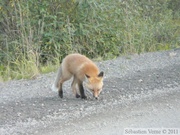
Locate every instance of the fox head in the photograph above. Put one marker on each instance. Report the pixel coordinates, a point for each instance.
(95, 84)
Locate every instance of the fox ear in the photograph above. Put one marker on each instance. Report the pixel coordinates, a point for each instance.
(87, 76)
(101, 74)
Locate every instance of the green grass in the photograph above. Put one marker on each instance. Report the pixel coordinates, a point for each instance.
(35, 36)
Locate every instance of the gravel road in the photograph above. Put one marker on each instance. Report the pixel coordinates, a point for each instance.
(140, 91)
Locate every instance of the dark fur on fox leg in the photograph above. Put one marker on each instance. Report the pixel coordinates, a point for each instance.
(77, 95)
(81, 89)
(60, 91)
(61, 94)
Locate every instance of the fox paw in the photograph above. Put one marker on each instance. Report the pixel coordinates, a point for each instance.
(61, 94)
(84, 97)
(78, 96)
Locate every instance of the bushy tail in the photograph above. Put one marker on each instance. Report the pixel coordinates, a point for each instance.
(55, 86)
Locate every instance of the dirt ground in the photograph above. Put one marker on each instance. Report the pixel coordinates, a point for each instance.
(140, 91)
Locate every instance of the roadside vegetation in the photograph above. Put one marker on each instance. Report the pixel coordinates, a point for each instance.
(36, 34)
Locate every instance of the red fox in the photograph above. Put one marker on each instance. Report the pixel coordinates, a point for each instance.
(81, 69)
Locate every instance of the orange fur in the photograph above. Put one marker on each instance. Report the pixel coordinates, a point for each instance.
(81, 68)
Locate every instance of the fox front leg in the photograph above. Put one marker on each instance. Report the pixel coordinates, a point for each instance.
(81, 89)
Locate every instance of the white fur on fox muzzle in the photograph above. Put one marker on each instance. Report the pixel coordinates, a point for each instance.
(96, 97)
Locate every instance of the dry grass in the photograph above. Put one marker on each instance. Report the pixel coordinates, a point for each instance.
(37, 35)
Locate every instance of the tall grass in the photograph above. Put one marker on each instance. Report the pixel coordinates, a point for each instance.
(35, 35)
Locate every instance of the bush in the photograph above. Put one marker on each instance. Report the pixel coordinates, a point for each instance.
(35, 33)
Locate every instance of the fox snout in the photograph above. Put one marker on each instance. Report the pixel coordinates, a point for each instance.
(96, 98)
(96, 95)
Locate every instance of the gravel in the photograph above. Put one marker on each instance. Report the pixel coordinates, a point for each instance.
(140, 91)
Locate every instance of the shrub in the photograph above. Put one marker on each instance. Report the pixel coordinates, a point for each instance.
(34, 34)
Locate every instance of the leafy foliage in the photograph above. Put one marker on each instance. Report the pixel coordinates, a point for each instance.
(39, 33)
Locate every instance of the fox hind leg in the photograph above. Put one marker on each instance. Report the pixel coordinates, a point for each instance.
(57, 86)
(60, 91)
(59, 82)
(74, 89)
(63, 76)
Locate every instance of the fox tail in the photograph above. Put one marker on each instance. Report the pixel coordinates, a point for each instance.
(55, 85)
